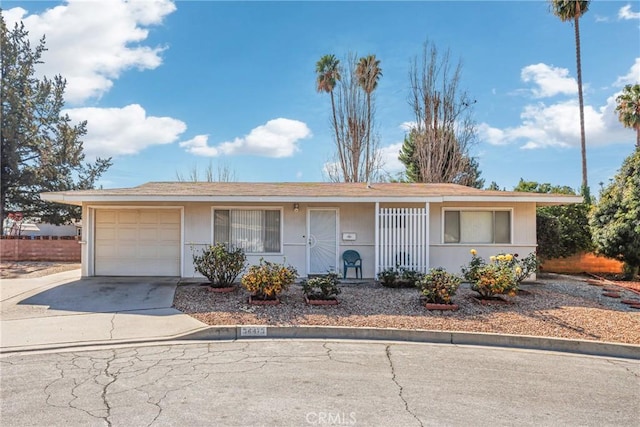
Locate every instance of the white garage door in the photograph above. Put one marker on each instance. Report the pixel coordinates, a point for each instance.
(137, 242)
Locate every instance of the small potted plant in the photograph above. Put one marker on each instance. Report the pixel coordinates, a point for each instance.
(438, 288)
(321, 290)
(220, 265)
(267, 280)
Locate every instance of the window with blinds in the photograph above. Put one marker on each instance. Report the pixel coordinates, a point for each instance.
(467, 226)
(253, 230)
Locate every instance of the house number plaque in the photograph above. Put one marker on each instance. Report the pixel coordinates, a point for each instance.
(253, 331)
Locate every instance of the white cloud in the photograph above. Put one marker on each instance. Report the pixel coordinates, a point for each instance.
(557, 125)
(92, 43)
(626, 13)
(407, 126)
(389, 157)
(550, 80)
(122, 131)
(199, 146)
(276, 138)
(632, 77)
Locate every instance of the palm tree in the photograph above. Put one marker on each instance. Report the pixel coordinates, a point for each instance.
(628, 109)
(572, 10)
(368, 72)
(328, 74)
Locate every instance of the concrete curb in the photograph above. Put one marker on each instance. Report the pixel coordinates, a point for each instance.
(249, 332)
(595, 348)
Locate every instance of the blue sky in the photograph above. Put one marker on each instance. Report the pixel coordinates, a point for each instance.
(167, 86)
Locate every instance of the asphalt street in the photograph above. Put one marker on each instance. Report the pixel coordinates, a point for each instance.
(316, 383)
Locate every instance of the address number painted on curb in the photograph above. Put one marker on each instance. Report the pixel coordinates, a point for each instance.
(253, 331)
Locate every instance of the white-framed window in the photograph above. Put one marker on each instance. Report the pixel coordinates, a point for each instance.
(491, 226)
(256, 231)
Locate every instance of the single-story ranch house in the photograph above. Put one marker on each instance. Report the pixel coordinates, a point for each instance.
(153, 229)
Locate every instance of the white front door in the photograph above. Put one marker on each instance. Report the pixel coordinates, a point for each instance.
(322, 241)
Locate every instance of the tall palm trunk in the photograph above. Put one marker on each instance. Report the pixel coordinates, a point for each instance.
(367, 164)
(343, 166)
(583, 144)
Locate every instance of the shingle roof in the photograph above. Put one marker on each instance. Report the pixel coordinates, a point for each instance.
(285, 191)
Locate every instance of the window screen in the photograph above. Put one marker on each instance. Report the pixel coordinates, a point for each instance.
(254, 231)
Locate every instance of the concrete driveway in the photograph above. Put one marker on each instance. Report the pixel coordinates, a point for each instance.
(62, 310)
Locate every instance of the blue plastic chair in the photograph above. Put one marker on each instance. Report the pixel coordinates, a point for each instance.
(351, 259)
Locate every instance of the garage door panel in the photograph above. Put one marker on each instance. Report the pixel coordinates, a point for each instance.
(166, 251)
(149, 234)
(138, 242)
(169, 217)
(105, 233)
(106, 217)
(169, 235)
(149, 218)
(129, 216)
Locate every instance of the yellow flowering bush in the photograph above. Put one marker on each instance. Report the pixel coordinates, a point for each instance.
(495, 278)
(502, 275)
(267, 280)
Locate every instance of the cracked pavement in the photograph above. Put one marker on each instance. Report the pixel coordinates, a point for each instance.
(296, 382)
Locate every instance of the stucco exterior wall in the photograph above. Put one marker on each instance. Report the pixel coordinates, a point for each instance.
(354, 218)
(453, 256)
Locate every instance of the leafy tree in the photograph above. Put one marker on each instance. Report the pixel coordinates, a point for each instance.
(572, 11)
(615, 221)
(494, 186)
(628, 109)
(368, 72)
(561, 230)
(352, 119)
(41, 150)
(437, 148)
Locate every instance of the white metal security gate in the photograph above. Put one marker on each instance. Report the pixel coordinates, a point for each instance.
(322, 241)
(403, 238)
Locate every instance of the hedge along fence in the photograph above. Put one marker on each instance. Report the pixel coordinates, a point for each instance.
(582, 263)
(40, 248)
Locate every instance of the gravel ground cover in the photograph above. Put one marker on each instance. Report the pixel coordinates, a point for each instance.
(555, 306)
(32, 269)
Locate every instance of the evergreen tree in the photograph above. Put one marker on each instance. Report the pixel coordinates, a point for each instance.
(615, 221)
(561, 230)
(41, 149)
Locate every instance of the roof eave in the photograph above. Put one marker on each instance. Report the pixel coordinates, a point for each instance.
(78, 200)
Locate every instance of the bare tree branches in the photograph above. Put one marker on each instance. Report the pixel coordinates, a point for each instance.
(444, 130)
(353, 108)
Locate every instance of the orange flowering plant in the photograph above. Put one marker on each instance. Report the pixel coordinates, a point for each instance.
(501, 275)
(267, 280)
(438, 286)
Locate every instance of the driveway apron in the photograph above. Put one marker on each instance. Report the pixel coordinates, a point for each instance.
(63, 309)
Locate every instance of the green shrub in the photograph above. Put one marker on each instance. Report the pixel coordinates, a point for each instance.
(470, 271)
(438, 286)
(388, 277)
(323, 287)
(267, 280)
(400, 277)
(220, 265)
(502, 275)
(497, 277)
